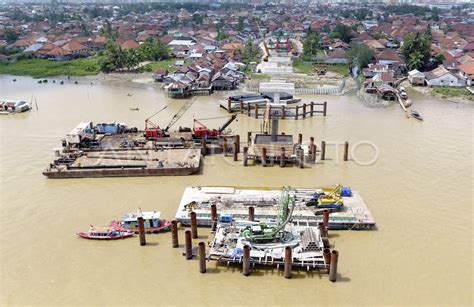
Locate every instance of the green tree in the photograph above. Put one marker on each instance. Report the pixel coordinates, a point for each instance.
(416, 50)
(11, 36)
(249, 52)
(311, 44)
(154, 50)
(360, 55)
(344, 31)
(240, 25)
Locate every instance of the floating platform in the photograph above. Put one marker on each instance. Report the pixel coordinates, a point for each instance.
(306, 242)
(235, 201)
(126, 163)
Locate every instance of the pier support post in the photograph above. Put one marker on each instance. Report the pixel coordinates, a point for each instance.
(141, 231)
(296, 114)
(282, 112)
(246, 261)
(324, 235)
(194, 230)
(256, 111)
(245, 156)
(346, 151)
(202, 257)
(241, 107)
(188, 245)
(327, 258)
(251, 213)
(237, 141)
(224, 146)
(326, 218)
(248, 109)
(204, 147)
(249, 138)
(235, 151)
(288, 261)
(313, 153)
(213, 217)
(325, 108)
(300, 138)
(333, 266)
(301, 158)
(312, 108)
(264, 157)
(229, 106)
(304, 110)
(282, 157)
(174, 234)
(323, 150)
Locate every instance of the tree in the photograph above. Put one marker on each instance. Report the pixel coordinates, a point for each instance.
(344, 31)
(360, 55)
(240, 25)
(249, 52)
(154, 50)
(416, 50)
(311, 44)
(11, 36)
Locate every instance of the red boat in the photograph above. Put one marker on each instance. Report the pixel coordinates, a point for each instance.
(112, 232)
(151, 219)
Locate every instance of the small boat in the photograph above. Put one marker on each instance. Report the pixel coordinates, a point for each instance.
(112, 232)
(10, 106)
(416, 115)
(134, 109)
(151, 219)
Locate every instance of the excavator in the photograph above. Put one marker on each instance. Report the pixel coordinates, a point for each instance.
(330, 198)
(201, 131)
(264, 233)
(153, 131)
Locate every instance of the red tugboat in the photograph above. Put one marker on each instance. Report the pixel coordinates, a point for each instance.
(112, 232)
(151, 219)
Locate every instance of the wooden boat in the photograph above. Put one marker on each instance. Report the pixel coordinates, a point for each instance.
(416, 115)
(10, 106)
(134, 109)
(151, 219)
(112, 232)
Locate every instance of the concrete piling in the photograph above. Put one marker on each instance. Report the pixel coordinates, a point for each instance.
(327, 257)
(300, 138)
(202, 257)
(251, 213)
(249, 138)
(333, 266)
(325, 108)
(188, 245)
(323, 150)
(282, 112)
(296, 114)
(324, 235)
(301, 158)
(246, 261)
(256, 111)
(326, 218)
(288, 261)
(141, 230)
(229, 106)
(235, 152)
(346, 151)
(174, 234)
(204, 147)
(237, 141)
(248, 109)
(312, 108)
(264, 157)
(194, 230)
(245, 156)
(224, 146)
(313, 153)
(282, 157)
(304, 110)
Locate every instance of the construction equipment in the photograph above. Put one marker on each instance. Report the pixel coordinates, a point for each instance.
(330, 198)
(201, 131)
(264, 233)
(153, 131)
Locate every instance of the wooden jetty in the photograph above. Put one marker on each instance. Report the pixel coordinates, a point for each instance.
(237, 201)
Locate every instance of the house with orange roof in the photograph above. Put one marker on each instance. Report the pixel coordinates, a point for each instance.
(466, 71)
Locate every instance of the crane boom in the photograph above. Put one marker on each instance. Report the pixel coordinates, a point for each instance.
(180, 113)
(227, 123)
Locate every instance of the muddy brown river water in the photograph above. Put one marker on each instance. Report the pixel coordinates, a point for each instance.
(419, 190)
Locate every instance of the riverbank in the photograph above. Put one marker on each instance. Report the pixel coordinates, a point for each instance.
(41, 68)
(458, 95)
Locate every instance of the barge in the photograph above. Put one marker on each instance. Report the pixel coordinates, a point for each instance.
(235, 202)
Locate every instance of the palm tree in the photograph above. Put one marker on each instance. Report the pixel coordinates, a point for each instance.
(416, 60)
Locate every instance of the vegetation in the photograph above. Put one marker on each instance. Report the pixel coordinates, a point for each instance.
(342, 69)
(343, 32)
(360, 55)
(40, 68)
(406, 9)
(302, 68)
(163, 64)
(453, 92)
(416, 49)
(311, 44)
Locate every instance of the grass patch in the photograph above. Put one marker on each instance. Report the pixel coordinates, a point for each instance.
(259, 76)
(39, 68)
(302, 68)
(342, 69)
(453, 92)
(166, 64)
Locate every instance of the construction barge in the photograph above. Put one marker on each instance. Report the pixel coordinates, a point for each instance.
(261, 204)
(114, 150)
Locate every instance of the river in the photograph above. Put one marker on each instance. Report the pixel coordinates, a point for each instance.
(419, 189)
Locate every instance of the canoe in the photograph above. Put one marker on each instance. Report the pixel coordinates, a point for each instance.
(416, 115)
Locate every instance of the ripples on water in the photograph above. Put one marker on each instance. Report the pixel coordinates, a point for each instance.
(419, 191)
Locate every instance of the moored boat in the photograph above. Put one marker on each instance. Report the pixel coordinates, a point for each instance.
(11, 106)
(151, 219)
(112, 232)
(416, 115)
